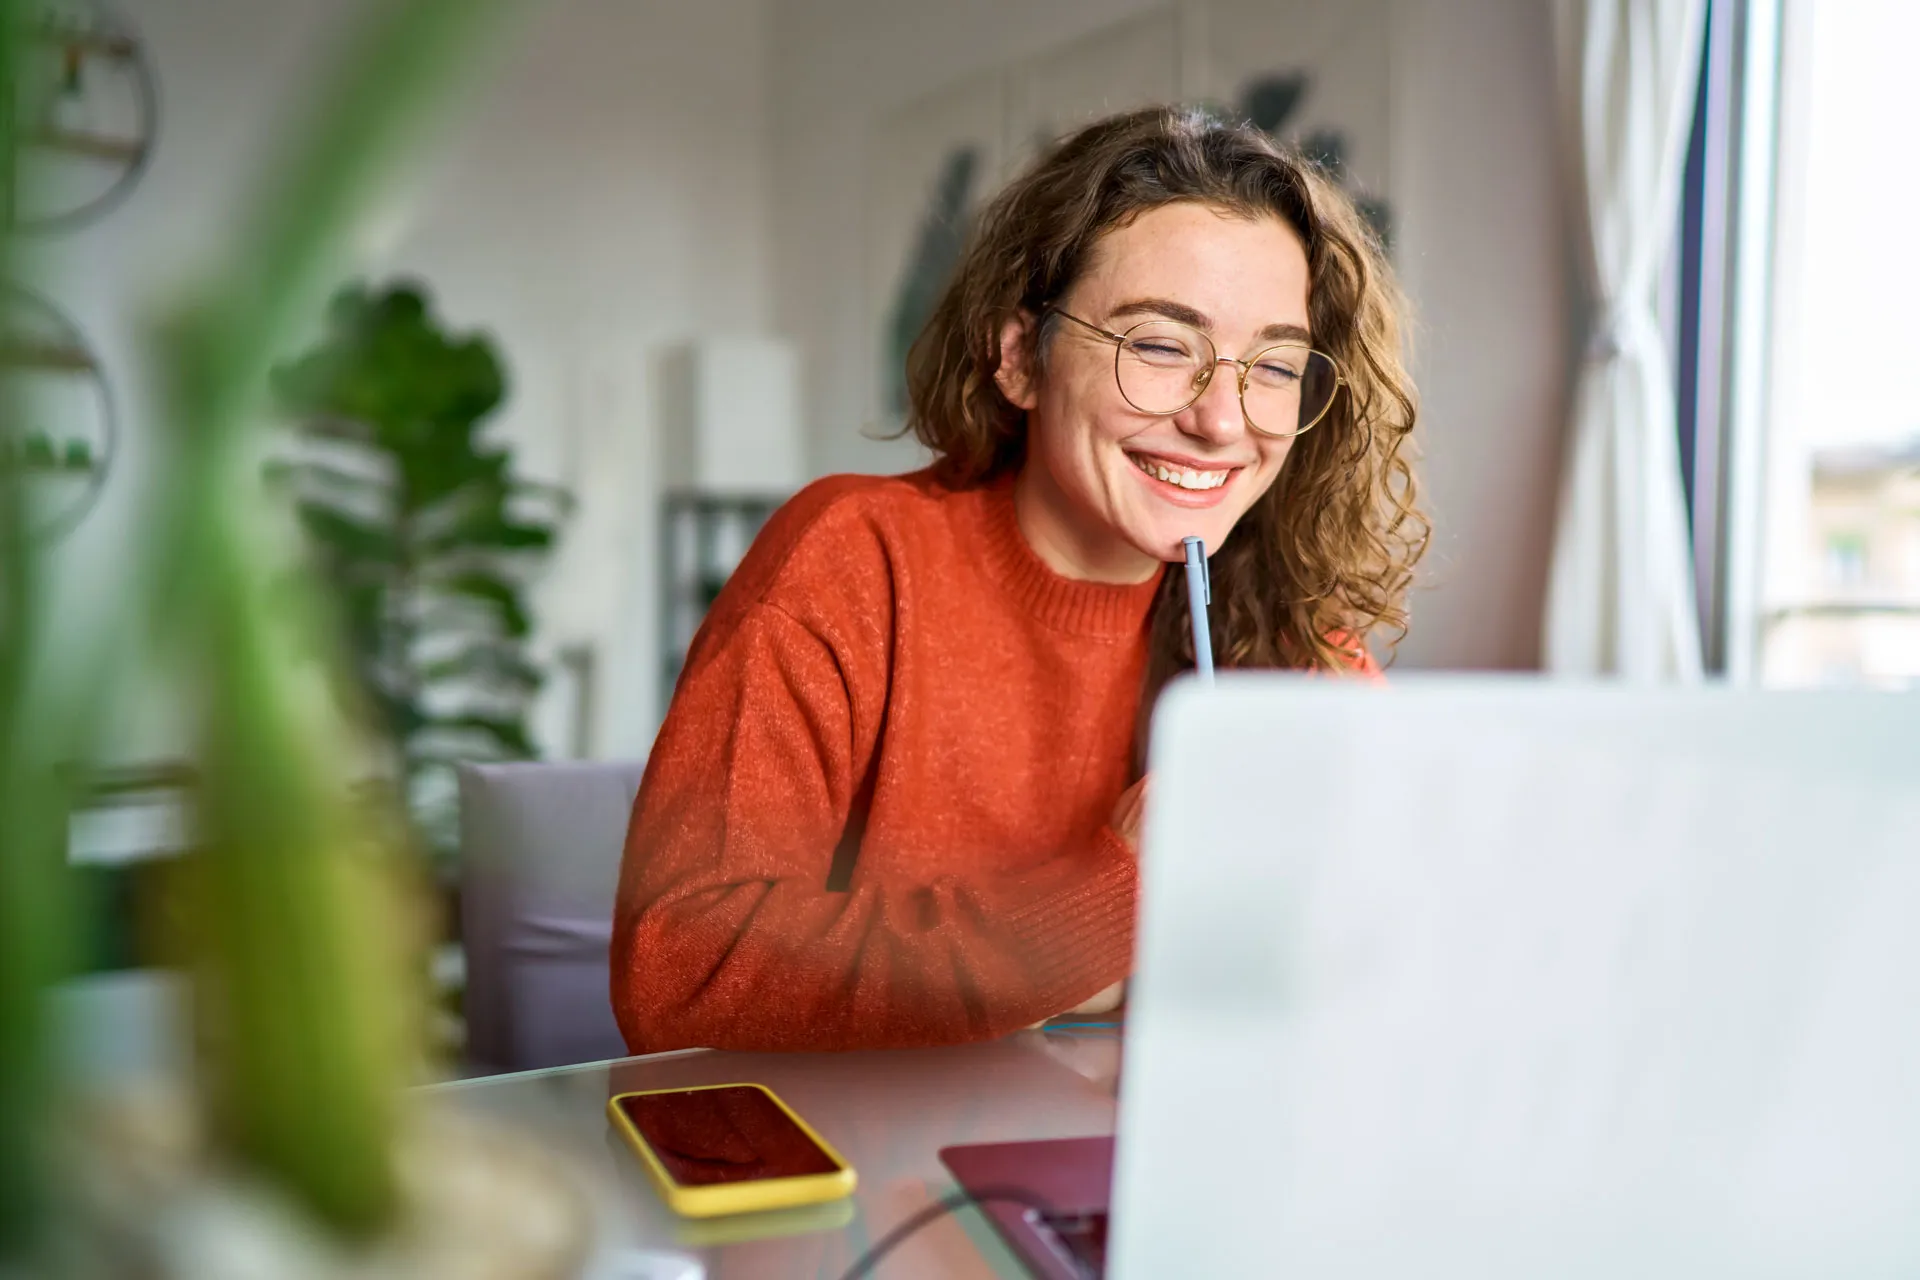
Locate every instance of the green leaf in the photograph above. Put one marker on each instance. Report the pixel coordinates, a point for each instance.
(318, 481)
(347, 539)
(508, 736)
(308, 1010)
(492, 590)
(490, 531)
(338, 431)
(447, 471)
(482, 494)
(386, 362)
(487, 663)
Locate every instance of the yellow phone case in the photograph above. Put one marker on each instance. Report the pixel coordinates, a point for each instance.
(735, 1197)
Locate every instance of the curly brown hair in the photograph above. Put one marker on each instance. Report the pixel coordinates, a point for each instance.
(1325, 556)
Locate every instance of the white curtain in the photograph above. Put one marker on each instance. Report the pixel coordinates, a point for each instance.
(1621, 600)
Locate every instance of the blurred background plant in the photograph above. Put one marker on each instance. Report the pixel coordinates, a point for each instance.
(296, 903)
(424, 531)
(37, 914)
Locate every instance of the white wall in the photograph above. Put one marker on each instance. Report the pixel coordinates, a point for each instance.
(607, 199)
(840, 67)
(1479, 208)
(1485, 253)
(635, 171)
(602, 196)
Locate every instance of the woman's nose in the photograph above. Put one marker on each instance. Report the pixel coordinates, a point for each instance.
(1217, 415)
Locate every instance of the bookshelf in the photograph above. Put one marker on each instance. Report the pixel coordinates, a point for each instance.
(703, 537)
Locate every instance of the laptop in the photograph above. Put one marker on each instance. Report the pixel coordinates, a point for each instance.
(1505, 977)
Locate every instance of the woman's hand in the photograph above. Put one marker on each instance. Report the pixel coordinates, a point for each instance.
(1127, 814)
(1106, 1002)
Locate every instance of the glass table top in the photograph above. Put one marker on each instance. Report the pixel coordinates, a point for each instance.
(889, 1113)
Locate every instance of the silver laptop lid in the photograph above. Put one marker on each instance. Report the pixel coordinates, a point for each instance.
(1507, 978)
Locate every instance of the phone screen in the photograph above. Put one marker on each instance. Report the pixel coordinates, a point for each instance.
(735, 1134)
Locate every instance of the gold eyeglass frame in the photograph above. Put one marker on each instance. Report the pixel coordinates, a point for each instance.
(1242, 367)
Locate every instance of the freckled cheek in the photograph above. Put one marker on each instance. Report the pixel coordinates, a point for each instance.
(1273, 457)
(1075, 422)
(1098, 438)
(1268, 473)
(1087, 394)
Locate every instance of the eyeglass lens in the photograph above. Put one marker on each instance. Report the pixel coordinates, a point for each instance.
(1163, 366)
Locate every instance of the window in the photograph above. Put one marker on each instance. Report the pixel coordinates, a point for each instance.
(1810, 560)
(1846, 560)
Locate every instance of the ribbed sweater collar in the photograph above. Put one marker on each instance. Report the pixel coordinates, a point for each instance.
(1067, 604)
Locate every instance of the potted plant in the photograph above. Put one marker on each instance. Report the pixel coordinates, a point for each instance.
(294, 1148)
(424, 532)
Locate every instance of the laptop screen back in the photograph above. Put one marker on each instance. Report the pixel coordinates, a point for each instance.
(1493, 978)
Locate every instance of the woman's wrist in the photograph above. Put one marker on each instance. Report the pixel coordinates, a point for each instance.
(1105, 1002)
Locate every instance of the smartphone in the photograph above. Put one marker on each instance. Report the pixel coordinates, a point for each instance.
(728, 1148)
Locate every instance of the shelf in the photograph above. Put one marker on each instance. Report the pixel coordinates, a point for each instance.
(92, 146)
(16, 353)
(40, 454)
(51, 469)
(113, 784)
(104, 43)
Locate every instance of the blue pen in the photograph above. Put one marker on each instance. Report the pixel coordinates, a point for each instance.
(1199, 596)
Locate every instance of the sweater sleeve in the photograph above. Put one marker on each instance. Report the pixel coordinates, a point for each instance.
(725, 933)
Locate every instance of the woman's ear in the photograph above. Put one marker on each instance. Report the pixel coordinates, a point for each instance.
(1016, 376)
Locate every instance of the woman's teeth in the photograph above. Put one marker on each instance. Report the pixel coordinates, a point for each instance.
(1185, 479)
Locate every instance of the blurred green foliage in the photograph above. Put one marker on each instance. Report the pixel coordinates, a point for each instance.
(38, 452)
(296, 911)
(37, 913)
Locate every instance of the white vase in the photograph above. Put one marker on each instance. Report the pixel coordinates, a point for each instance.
(149, 1199)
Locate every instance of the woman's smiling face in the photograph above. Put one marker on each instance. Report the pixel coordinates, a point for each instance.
(1108, 492)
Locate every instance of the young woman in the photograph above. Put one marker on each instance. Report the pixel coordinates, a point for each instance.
(896, 799)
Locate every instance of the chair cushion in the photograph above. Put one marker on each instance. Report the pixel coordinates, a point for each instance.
(539, 860)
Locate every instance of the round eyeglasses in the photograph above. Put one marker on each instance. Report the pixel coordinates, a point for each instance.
(1163, 366)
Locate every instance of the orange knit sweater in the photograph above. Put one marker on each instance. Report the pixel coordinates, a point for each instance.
(875, 815)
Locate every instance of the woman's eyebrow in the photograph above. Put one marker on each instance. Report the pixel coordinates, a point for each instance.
(1168, 309)
(1285, 333)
